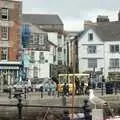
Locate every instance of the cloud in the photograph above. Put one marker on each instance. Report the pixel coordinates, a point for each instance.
(73, 12)
(76, 25)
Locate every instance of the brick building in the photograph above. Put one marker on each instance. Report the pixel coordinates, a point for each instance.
(10, 23)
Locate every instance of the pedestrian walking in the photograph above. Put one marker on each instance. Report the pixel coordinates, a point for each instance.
(25, 92)
(53, 86)
(65, 89)
(49, 88)
(41, 91)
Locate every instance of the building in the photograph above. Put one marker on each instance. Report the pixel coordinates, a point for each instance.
(10, 39)
(40, 54)
(71, 48)
(53, 25)
(99, 48)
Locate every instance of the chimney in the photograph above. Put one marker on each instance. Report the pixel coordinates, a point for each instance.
(101, 19)
(119, 15)
(88, 24)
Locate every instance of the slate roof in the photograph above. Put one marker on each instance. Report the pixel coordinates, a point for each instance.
(42, 19)
(108, 31)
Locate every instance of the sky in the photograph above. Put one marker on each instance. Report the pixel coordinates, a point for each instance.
(74, 12)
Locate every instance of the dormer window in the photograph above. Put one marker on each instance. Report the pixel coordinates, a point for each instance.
(90, 36)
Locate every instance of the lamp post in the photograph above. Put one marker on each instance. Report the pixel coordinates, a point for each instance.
(102, 92)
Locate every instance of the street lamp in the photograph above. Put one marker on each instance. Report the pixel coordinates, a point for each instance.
(102, 92)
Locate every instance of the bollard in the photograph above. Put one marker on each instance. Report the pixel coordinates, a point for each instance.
(19, 105)
(87, 110)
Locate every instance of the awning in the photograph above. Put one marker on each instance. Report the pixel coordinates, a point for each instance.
(9, 68)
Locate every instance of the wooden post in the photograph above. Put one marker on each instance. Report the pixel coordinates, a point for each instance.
(73, 93)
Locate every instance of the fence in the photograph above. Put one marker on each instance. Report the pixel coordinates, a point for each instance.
(58, 112)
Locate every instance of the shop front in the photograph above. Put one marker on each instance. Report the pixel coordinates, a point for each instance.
(10, 72)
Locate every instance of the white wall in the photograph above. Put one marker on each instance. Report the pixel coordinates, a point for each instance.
(52, 36)
(44, 68)
(83, 56)
(103, 54)
(109, 55)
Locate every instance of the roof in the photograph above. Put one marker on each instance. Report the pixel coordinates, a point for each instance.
(109, 31)
(78, 35)
(42, 19)
(34, 28)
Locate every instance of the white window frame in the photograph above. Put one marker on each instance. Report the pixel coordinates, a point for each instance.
(90, 49)
(4, 30)
(41, 57)
(115, 49)
(89, 36)
(5, 52)
(114, 63)
(32, 57)
(93, 64)
(4, 11)
(41, 39)
(35, 72)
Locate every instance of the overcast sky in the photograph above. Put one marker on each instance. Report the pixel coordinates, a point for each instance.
(74, 12)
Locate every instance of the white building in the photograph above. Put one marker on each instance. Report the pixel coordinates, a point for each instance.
(41, 54)
(58, 40)
(99, 47)
(53, 25)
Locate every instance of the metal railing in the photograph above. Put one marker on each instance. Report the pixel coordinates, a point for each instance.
(86, 109)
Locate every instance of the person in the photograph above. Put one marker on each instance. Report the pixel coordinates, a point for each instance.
(25, 92)
(65, 89)
(41, 91)
(53, 87)
(49, 88)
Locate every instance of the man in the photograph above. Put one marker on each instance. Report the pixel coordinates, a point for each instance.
(65, 89)
(41, 91)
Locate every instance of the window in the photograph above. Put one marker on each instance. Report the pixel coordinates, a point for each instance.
(90, 36)
(41, 57)
(4, 14)
(114, 63)
(31, 38)
(4, 54)
(64, 51)
(54, 58)
(92, 63)
(4, 33)
(114, 48)
(59, 62)
(59, 42)
(59, 49)
(59, 36)
(35, 73)
(36, 38)
(32, 56)
(41, 39)
(91, 49)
